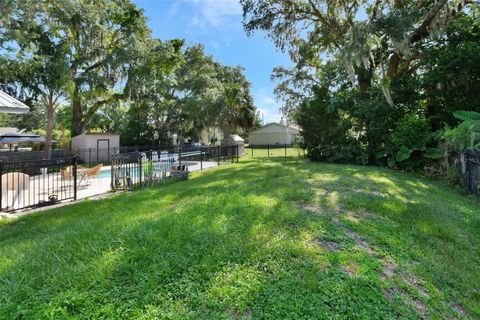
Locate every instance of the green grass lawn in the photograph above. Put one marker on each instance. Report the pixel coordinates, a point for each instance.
(259, 239)
(274, 152)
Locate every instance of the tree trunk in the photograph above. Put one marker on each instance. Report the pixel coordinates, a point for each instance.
(77, 115)
(364, 78)
(49, 129)
(227, 131)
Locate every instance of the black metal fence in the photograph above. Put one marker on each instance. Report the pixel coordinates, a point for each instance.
(19, 156)
(25, 184)
(93, 156)
(469, 163)
(36, 182)
(141, 168)
(274, 151)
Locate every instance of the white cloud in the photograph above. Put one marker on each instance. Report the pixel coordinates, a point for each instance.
(174, 9)
(216, 13)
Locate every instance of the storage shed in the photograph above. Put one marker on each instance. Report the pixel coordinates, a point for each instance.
(96, 147)
(234, 140)
(273, 134)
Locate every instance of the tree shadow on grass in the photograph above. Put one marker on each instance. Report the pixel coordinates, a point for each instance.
(227, 243)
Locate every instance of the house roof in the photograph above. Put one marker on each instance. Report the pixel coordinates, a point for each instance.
(8, 130)
(276, 124)
(9, 104)
(16, 137)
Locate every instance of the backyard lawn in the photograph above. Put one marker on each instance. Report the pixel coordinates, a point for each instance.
(271, 239)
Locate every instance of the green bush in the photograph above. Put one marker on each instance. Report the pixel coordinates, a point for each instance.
(411, 131)
(467, 134)
(326, 132)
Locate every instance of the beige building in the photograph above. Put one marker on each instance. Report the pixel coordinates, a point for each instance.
(96, 147)
(273, 134)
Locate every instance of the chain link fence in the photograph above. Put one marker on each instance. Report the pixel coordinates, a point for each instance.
(274, 151)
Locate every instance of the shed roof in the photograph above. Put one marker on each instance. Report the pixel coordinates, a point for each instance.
(236, 137)
(9, 104)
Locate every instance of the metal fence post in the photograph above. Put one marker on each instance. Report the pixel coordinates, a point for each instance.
(89, 155)
(180, 157)
(237, 152)
(285, 150)
(140, 168)
(252, 150)
(218, 155)
(201, 159)
(112, 167)
(268, 150)
(74, 166)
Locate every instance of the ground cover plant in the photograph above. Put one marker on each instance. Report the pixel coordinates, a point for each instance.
(270, 239)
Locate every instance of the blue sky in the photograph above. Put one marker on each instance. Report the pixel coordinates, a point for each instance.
(217, 24)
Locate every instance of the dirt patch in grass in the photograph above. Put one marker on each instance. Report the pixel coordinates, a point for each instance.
(359, 241)
(389, 269)
(420, 306)
(459, 309)
(240, 315)
(329, 245)
(312, 207)
(418, 284)
(335, 220)
(391, 293)
(351, 269)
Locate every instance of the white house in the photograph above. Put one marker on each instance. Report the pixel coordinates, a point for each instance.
(273, 134)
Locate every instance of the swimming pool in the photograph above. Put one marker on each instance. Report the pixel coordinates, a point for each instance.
(106, 173)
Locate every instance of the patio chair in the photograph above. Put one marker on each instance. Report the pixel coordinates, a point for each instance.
(67, 175)
(94, 172)
(18, 183)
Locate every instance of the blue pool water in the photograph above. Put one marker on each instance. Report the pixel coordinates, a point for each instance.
(107, 173)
